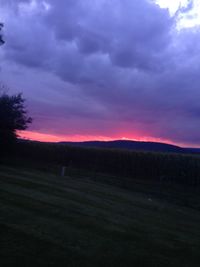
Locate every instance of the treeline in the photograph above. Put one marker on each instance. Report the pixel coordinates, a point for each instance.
(173, 168)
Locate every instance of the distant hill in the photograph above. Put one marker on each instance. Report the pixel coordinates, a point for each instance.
(192, 150)
(128, 145)
(132, 145)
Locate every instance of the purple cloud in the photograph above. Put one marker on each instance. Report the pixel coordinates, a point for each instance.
(103, 68)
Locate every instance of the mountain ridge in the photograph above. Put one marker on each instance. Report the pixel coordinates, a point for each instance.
(145, 146)
(131, 145)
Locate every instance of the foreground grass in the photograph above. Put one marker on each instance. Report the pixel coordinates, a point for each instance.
(46, 220)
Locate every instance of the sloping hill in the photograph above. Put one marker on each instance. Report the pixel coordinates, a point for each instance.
(193, 150)
(127, 144)
(47, 220)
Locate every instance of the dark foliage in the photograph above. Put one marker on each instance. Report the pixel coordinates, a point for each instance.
(13, 117)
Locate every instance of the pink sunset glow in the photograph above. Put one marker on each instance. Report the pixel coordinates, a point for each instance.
(42, 137)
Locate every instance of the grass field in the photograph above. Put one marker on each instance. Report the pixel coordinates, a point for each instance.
(47, 220)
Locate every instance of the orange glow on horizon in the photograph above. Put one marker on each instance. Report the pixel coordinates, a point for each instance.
(43, 137)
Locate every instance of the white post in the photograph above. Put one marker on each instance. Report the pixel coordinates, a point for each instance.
(63, 171)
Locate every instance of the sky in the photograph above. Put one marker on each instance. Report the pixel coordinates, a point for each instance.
(105, 69)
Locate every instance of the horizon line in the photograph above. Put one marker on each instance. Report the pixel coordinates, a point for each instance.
(50, 138)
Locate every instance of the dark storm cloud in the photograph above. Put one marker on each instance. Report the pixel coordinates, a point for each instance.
(131, 33)
(109, 63)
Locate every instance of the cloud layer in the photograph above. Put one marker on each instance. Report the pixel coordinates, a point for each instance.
(108, 68)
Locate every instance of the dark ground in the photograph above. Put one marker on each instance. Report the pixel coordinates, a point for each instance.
(47, 220)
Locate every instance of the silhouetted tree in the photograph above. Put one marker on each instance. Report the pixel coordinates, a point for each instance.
(13, 117)
(1, 37)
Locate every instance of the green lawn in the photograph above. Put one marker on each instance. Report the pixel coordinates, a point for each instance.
(47, 220)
